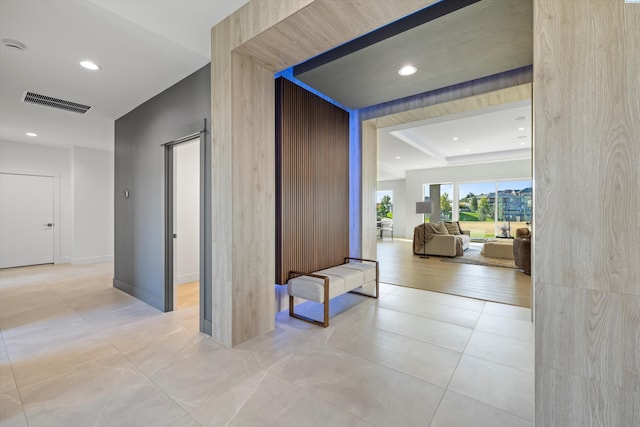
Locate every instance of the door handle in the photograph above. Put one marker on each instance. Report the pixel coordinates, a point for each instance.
(175, 236)
(49, 224)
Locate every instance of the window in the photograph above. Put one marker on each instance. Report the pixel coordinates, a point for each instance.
(476, 210)
(384, 204)
(513, 206)
(445, 192)
(489, 208)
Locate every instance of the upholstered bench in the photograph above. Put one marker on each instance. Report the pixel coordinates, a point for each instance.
(502, 248)
(323, 285)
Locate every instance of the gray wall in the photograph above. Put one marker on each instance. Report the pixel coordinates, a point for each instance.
(139, 168)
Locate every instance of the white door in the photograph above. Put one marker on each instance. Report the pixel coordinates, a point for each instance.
(26, 220)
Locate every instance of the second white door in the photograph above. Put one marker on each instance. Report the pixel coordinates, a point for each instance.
(26, 220)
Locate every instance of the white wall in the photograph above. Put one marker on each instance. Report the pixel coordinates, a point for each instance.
(512, 170)
(83, 197)
(92, 192)
(187, 202)
(32, 159)
(399, 198)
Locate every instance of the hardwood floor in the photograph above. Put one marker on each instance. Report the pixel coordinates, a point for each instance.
(398, 266)
(188, 295)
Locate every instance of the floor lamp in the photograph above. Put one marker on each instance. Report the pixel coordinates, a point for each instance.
(423, 208)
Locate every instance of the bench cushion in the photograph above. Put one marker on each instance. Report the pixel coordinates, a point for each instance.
(312, 288)
(352, 278)
(369, 270)
(342, 278)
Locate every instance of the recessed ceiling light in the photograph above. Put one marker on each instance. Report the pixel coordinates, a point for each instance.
(467, 150)
(522, 143)
(520, 128)
(407, 70)
(90, 65)
(455, 138)
(31, 134)
(397, 157)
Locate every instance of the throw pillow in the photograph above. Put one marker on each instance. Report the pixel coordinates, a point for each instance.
(453, 227)
(440, 228)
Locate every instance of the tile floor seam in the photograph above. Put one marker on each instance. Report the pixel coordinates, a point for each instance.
(396, 369)
(491, 406)
(15, 383)
(316, 396)
(433, 318)
(158, 386)
(497, 363)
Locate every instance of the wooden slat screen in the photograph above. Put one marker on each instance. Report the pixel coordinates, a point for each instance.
(312, 181)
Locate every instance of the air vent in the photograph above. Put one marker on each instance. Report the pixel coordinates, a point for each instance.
(49, 101)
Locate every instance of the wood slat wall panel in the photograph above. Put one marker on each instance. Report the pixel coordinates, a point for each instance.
(312, 181)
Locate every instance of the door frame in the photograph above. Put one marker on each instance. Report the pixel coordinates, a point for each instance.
(169, 221)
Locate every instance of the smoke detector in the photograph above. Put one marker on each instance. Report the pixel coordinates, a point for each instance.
(13, 43)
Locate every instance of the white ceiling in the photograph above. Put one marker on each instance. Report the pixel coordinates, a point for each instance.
(483, 136)
(143, 47)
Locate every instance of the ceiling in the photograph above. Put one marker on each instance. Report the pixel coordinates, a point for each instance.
(142, 51)
(145, 46)
(484, 38)
(481, 39)
(491, 134)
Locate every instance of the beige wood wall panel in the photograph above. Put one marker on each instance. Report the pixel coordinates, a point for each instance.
(449, 102)
(253, 176)
(369, 188)
(266, 32)
(322, 25)
(493, 83)
(586, 152)
(313, 164)
(221, 161)
(579, 401)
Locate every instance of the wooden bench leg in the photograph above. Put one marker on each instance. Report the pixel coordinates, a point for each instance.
(325, 306)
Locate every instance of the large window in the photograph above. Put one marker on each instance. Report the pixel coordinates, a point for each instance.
(488, 209)
(476, 208)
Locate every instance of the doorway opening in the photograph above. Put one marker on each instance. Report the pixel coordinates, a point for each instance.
(186, 224)
(184, 282)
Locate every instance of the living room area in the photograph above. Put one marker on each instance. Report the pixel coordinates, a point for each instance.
(470, 171)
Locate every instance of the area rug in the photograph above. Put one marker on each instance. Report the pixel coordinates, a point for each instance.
(473, 256)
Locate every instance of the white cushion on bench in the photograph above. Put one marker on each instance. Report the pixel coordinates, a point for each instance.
(312, 288)
(369, 270)
(352, 278)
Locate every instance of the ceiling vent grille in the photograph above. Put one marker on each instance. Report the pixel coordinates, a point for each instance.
(49, 101)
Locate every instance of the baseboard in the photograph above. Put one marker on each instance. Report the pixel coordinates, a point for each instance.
(62, 260)
(187, 278)
(92, 260)
(142, 295)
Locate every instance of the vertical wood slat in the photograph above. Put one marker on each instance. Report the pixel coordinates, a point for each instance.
(312, 181)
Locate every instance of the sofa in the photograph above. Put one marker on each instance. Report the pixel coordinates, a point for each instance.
(522, 249)
(440, 239)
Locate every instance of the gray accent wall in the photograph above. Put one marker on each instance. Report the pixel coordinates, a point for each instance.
(139, 168)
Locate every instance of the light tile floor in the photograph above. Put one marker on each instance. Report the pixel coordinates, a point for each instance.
(74, 351)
